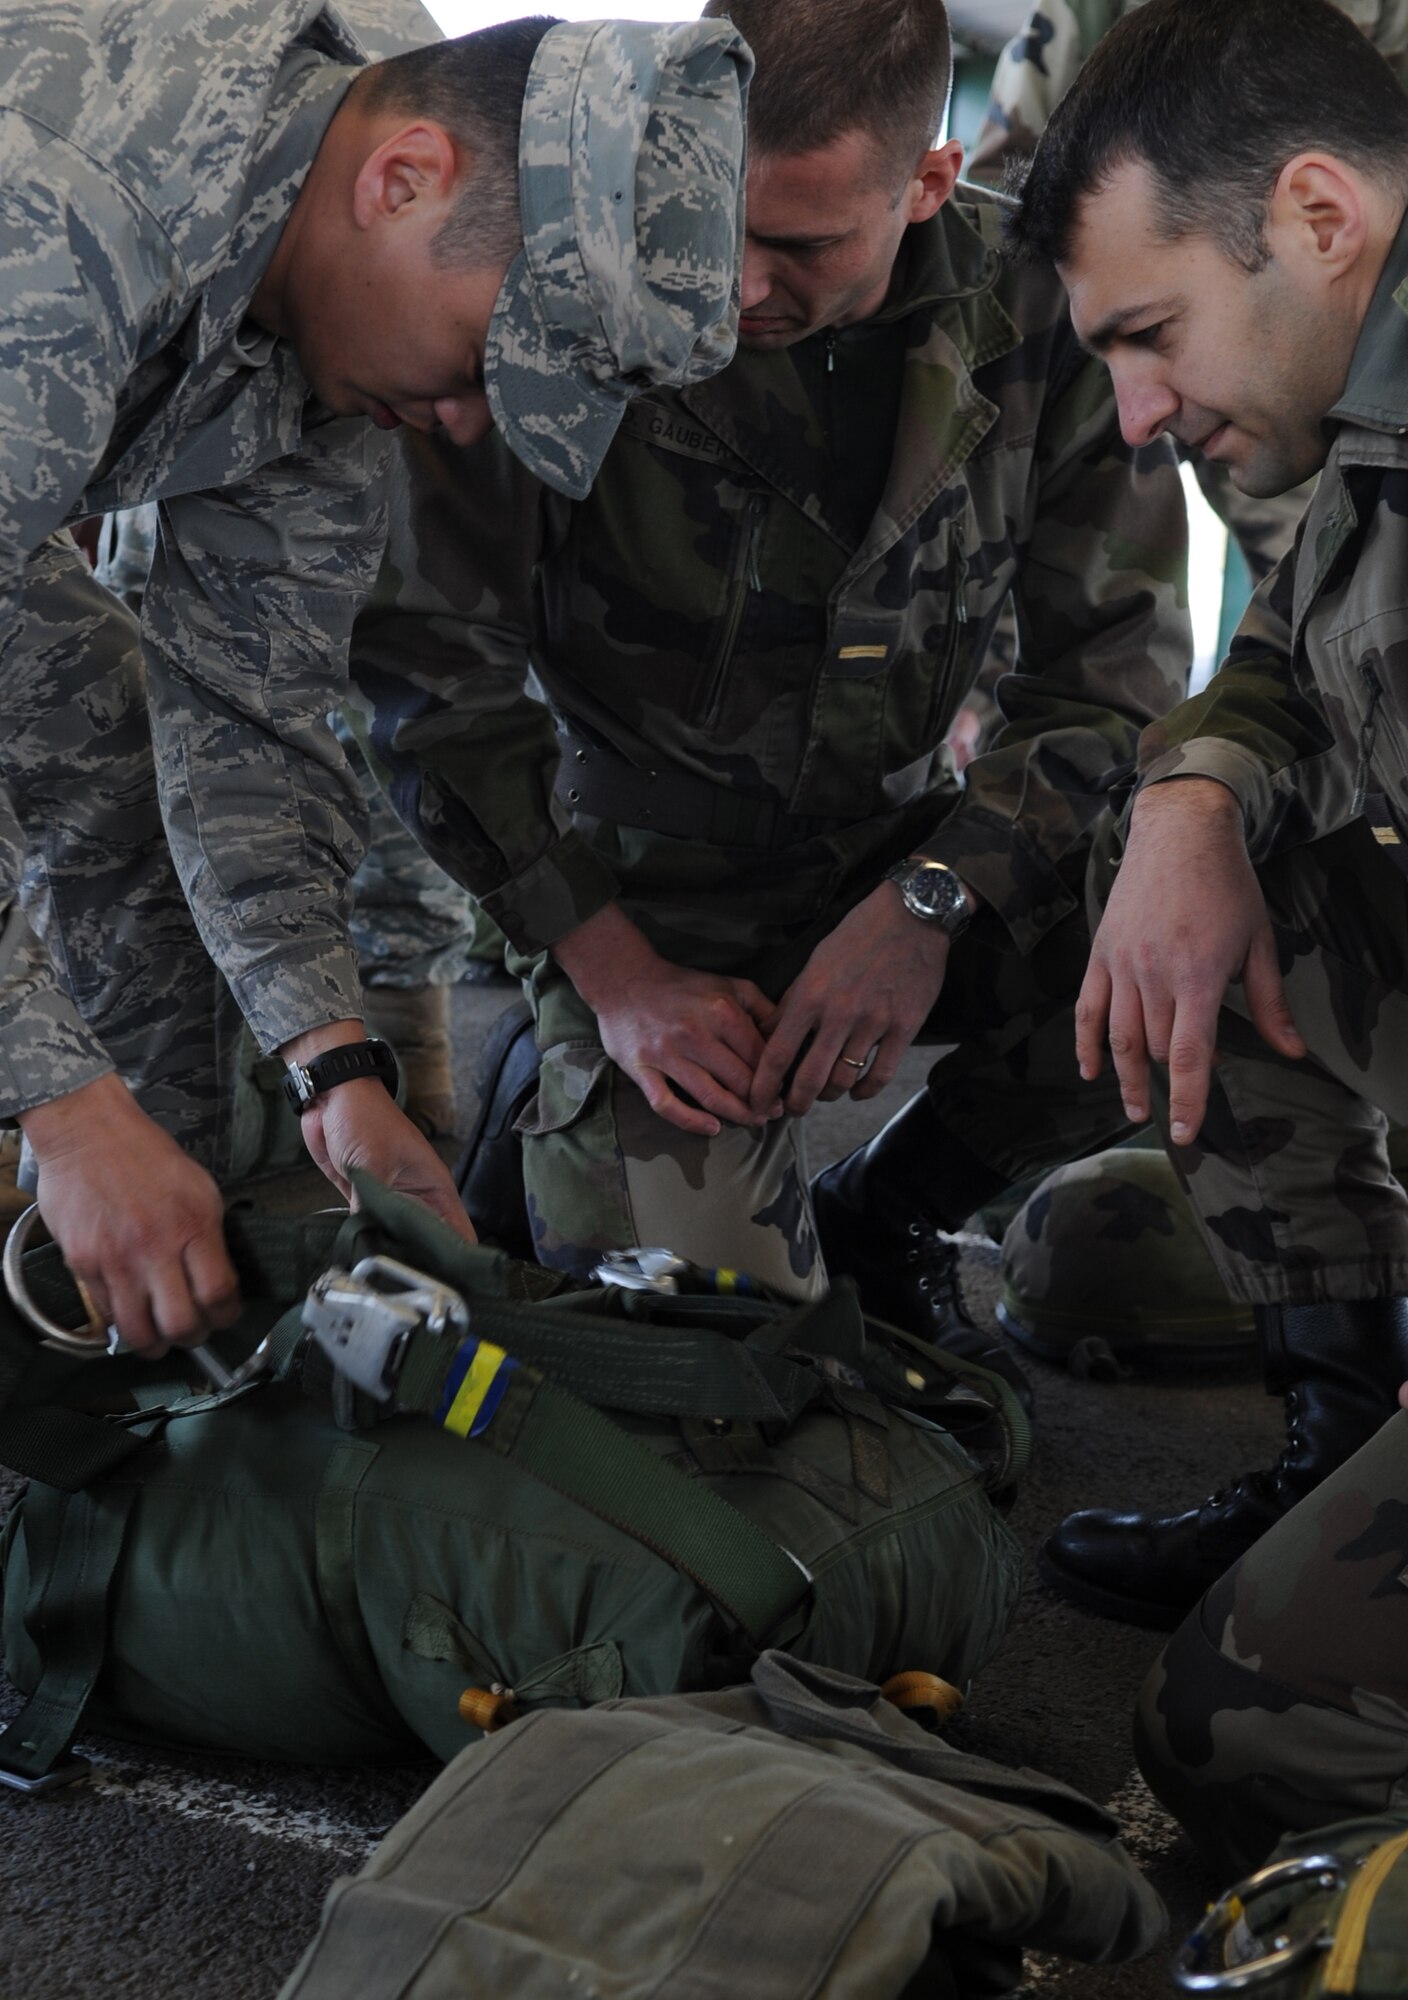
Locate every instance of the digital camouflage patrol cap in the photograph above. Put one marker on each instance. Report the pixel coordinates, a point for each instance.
(631, 190)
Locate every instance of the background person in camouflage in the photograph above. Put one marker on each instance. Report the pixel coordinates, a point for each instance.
(753, 635)
(219, 244)
(1249, 296)
(1281, 1703)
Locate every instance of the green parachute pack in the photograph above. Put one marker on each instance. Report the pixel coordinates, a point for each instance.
(457, 1489)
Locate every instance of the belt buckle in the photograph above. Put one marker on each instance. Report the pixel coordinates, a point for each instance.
(363, 1319)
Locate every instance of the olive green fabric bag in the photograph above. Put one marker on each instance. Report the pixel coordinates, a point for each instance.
(665, 1486)
(794, 1839)
(1326, 1919)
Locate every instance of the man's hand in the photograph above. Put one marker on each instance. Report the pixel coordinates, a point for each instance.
(1185, 918)
(669, 1029)
(869, 985)
(359, 1124)
(138, 1221)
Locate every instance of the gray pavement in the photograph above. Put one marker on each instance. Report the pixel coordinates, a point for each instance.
(175, 1877)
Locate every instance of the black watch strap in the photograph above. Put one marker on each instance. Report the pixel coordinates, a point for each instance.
(306, 1082)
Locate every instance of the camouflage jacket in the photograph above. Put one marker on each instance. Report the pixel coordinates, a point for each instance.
(149, 158)
(1040, 65)
(1309, 712)
(702, 617)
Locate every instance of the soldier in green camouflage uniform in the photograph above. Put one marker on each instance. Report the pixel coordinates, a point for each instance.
(1033, 75)
(753, 635)
(1281, 1704)
(1256, 903)
(202, 301)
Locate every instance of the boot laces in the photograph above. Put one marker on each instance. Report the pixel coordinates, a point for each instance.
(934, 1259)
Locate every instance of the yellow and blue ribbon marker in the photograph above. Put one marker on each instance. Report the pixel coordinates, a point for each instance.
(474, 1387)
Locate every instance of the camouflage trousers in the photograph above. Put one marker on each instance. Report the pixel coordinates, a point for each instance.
(603, 1171)
(1281, 1704)
(101, 890)
(1290, 1176)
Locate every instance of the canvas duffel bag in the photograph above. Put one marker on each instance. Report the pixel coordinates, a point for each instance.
(797, 1838)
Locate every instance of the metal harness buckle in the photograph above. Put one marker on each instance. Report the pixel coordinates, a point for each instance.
(641, 1270)
(363, 1319)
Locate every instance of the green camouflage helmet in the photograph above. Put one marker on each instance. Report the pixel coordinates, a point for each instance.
(631, 190)
(1106, 1250)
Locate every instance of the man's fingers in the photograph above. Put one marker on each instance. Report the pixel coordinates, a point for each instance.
(1092, 1012)
(1129, 1052)
(1192, 1046)
(129, 1310)
(884, 1065)
(754, 1002)
(1266, 996)
(211, 1277)
(654, 1086)
(789, 1032)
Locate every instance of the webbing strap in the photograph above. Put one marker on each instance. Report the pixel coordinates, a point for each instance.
(63, 1447)
(653, 1370)
(479, 1391)
(73, 1543)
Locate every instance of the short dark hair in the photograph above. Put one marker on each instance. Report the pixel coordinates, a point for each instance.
(473, 86)
(826, 67)
(1213, 97)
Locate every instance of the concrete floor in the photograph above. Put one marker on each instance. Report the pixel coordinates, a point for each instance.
(176, 1877)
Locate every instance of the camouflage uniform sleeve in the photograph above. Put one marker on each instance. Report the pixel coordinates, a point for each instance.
(1104, 646)
(1261, 731)
(246, 624)
(440, 659)
(66, 338)
(1033, 74)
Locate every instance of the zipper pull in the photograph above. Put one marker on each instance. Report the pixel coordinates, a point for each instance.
(960, 567)
(1367, 731)
(831, 354)
(756, 508)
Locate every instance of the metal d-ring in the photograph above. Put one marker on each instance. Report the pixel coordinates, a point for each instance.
(1250, 1975)
(223, 1381)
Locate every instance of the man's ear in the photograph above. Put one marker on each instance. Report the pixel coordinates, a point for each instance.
(931, 183)
(1318, 212)
(418, 163)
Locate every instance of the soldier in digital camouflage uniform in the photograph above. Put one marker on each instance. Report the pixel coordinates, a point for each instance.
(231, 257)
(753, 634)
(1256, 901)
(1281, 1703)
(413, 929)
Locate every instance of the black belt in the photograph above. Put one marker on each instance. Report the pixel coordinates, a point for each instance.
(604, 785)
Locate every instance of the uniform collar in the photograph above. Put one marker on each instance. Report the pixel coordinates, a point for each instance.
(942, 260)
(311, 89)
(1376, 391)
(944, 281)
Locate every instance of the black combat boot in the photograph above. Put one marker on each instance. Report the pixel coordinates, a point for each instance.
(878, 1220)
(1339, 1368)
(489, 1175)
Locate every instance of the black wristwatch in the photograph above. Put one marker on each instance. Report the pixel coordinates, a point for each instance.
(932, 892)
(306, 1082)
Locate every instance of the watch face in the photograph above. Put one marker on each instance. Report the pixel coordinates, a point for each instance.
(935, 893)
